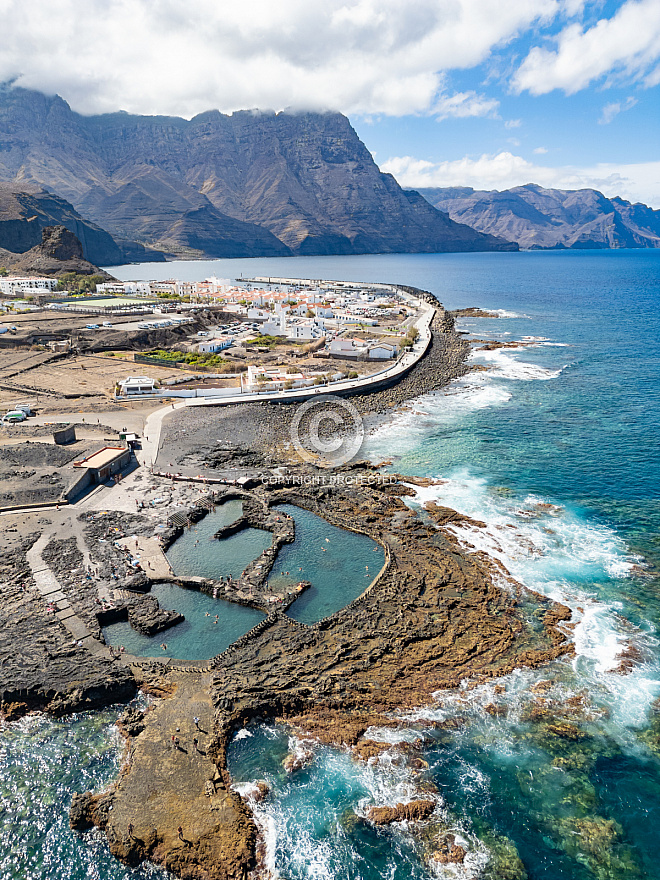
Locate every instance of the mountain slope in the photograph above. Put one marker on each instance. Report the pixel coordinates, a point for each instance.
(302, 183)
(548, 218)
(26, 211)
(59, 251)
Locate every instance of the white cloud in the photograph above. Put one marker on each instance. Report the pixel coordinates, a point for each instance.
(185, 56)
(636, 182)
(513, 123)
(611, 110)
(464, 104)
(626, 45)
(540, 151)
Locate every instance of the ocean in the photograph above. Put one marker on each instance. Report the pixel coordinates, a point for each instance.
(555, 448)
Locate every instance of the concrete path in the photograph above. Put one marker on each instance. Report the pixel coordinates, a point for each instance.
(51, 590)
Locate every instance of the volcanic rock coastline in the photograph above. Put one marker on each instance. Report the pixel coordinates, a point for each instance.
(432, 618)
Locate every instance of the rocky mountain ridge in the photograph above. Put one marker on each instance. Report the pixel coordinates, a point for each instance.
(27, 209)
(58, 252)
(249, 184)
(536, 217)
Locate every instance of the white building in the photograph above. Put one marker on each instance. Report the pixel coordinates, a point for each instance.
(307, 330)
(277, 325)
(12, 285)
(260, 379)
(137, 385)
(213, 346)
(118, 288)
(348, 318)
(324, 311)
(382, 351)
(344, 347)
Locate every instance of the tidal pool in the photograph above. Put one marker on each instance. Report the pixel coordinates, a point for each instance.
(199, 637)
(339, 564)
(211, 625)
(198, 554)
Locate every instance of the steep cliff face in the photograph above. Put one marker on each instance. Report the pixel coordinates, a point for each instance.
(25, 211)
(548, 218)
(240, 185)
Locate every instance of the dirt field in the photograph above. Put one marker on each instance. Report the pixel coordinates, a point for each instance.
(56, 383)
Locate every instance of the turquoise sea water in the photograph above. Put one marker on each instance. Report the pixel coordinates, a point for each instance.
(556, 449)
(42, 763)
(198, 554)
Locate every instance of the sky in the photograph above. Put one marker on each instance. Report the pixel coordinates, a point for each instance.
(481, 93)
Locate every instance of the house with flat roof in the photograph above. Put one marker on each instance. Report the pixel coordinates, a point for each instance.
(105, 462)
(137, 385)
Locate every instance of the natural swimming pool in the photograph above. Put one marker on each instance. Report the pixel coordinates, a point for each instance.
(198, 554)
(199, 637)
(339, 565)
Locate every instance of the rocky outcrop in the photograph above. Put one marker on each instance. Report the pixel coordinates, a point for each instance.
(249, 184)
(551, 218)
(414, 811)
(147, 617)
(59, 252)
(432, 619)
(41, 666)
(449, 852)
(26, 209)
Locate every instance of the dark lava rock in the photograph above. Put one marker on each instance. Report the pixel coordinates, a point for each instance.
(137, 583)
(131, 722)
(147, 617)
(60, 251)
(80, 812)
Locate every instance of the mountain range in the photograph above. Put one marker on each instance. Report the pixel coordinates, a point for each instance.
(239, 185)
(535, 217)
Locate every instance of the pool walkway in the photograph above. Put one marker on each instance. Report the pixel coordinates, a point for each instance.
(52, 592)
(153, 561)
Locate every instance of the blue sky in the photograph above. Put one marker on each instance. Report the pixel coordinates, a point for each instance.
(481, 93)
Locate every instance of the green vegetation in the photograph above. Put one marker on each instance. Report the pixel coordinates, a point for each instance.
(266, 340)
(164, 295)
(77, 283)
(191, 358)
(3, 272)
(411, 337)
